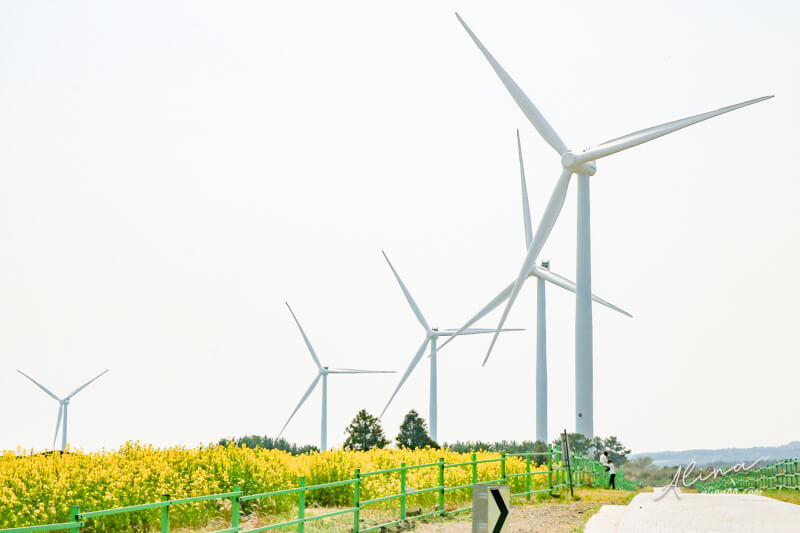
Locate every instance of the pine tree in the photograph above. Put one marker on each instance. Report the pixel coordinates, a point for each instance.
(414, 432)
(578, 443)
(364, 433)
(616, 450)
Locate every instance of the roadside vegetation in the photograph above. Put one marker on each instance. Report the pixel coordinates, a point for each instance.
(40, 488)
(784, 495)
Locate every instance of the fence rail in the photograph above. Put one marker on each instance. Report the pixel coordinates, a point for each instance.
(584, 471)
(782, 474)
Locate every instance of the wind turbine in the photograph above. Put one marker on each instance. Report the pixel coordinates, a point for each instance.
(62, 407)
(542, 273)
(322, 373)
(431, 336)
(583, 164)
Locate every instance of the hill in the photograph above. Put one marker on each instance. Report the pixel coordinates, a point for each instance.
(723, 456)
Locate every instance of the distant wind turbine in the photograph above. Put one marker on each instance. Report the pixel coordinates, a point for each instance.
(583, 164)
(431, 335)
(63, 404)
(323, 372)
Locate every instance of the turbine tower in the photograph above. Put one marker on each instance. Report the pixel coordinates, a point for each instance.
(541, 274)
(431, 336)
(583, 164)
(63, 405)
(323, 372)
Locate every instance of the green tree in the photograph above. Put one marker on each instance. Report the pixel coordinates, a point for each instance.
(578, 444)
(581, 445)
(414, 432)
(616, 450)
(364, 433)
(268, 443)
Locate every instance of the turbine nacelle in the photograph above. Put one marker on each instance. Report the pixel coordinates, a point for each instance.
(578, 165)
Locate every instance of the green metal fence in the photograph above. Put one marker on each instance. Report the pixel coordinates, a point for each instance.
(584, 472)
(782, 474)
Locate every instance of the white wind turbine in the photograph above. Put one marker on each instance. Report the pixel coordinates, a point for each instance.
(63, 405)
(542, 274)
(431, 335)
(582, 164)
(323, 372)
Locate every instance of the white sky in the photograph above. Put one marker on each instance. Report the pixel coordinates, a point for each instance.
(171, 172)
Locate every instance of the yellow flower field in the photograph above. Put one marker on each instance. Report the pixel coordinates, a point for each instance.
(40, 489)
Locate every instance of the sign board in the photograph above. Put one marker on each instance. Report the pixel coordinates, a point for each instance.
(490, 508)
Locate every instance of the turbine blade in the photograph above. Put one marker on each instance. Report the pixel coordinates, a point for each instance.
(407, 294)
(358, 371)
(407, 373)
(549, 218)
(76, 391)
(58, 423)
(473, 331)
(488, 308)
(536, 118)
(302, 400)
(40, 386)
(564, 283)
(526, 210)
(642, 136)
(305, 338)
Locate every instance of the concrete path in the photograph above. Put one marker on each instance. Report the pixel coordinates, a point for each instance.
(698, 513)
(606, 520)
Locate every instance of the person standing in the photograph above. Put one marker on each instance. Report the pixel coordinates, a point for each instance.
(612, 473)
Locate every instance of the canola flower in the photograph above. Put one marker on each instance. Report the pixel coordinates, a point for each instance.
(40, 489)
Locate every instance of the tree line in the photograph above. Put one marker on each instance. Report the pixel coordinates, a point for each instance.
(365, 433)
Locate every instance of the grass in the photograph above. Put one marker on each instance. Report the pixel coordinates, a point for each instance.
(784, 495)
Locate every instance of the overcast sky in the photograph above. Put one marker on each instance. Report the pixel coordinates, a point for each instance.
(171, 172)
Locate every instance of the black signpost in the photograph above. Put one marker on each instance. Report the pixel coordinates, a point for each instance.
(565, 447)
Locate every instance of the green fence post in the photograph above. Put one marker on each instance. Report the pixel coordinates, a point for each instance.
(441, 484)
(165, 514)
(402, 491)
(550, 467)
(528, 476)
(474, 469)
(584, 470)
(503, 466)
(301, 505)
(75, 516)
(235, 509)
(356, 500)
(557, 465)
